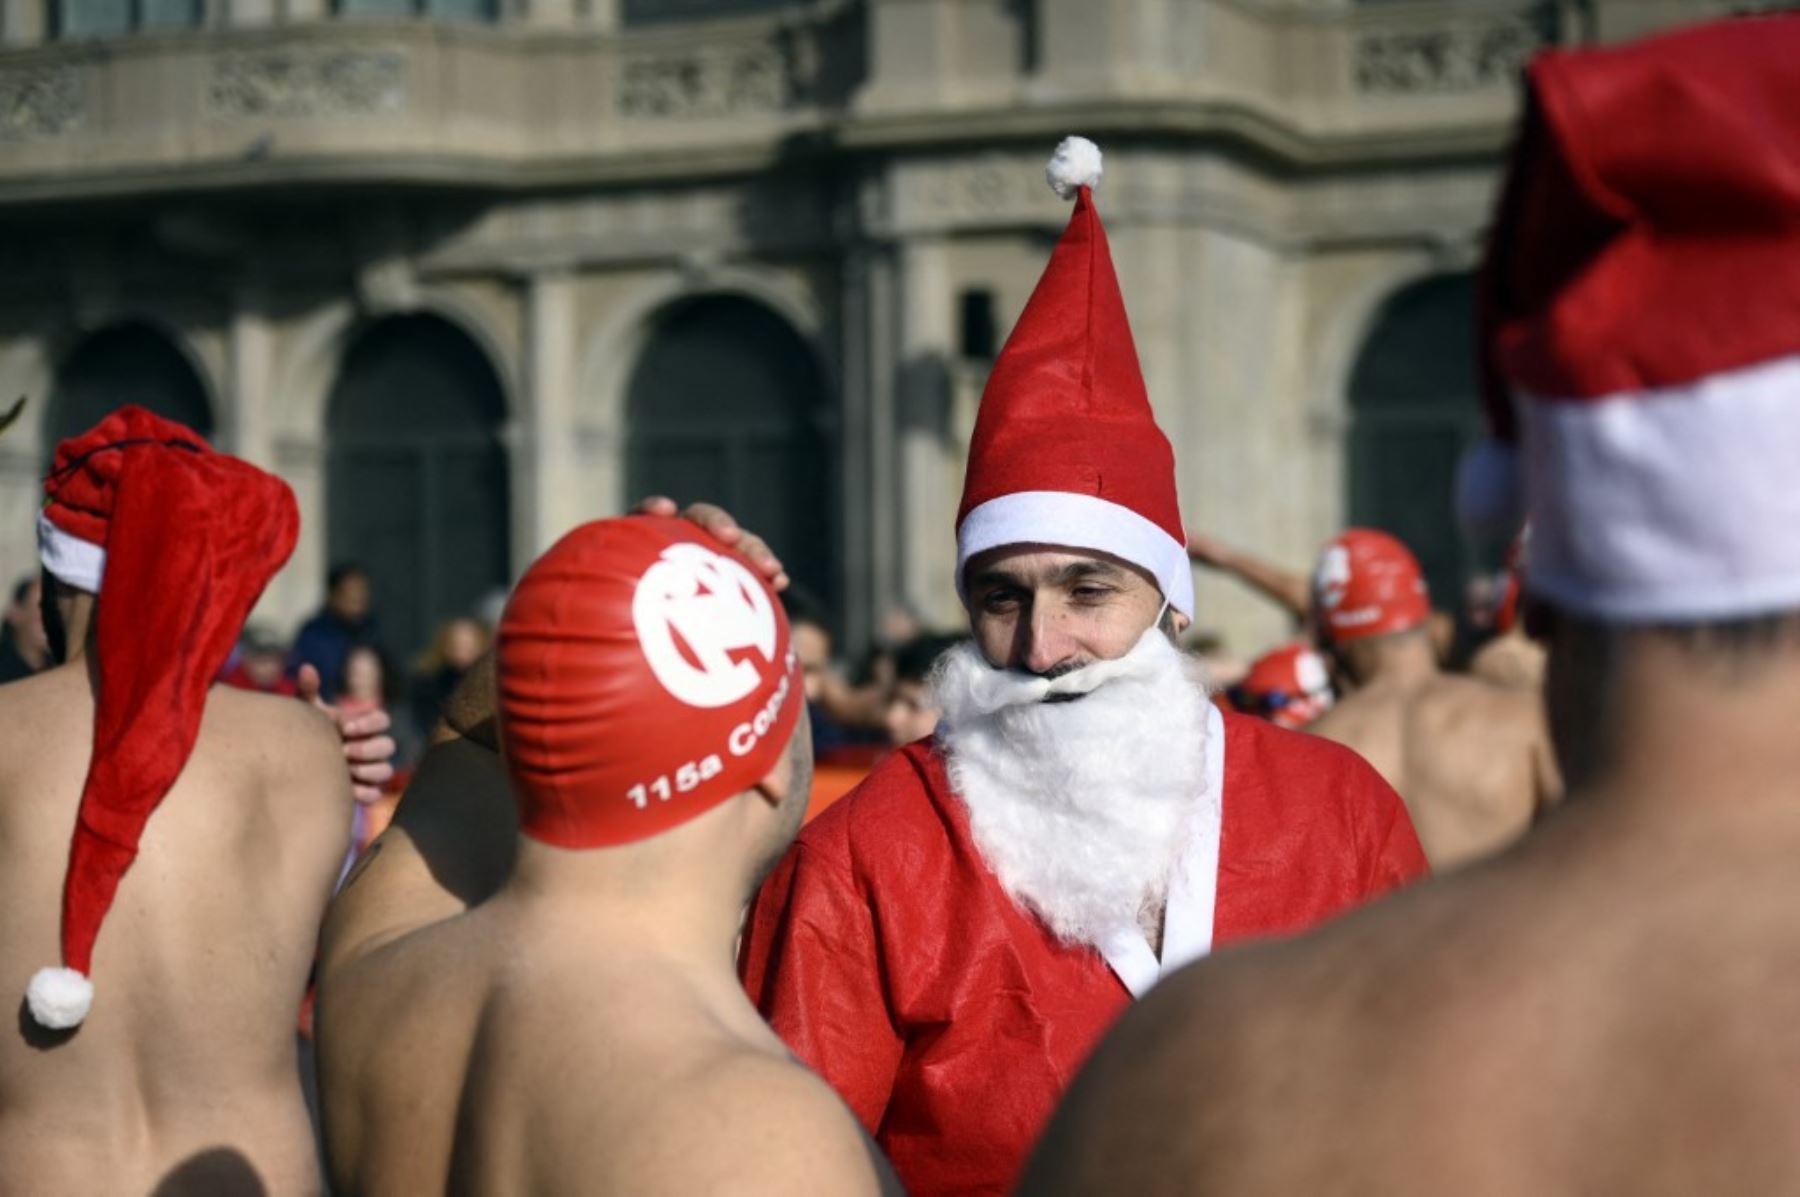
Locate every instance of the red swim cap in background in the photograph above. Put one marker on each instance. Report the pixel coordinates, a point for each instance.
(645, 677)
(1369, 584)
(1290, 687)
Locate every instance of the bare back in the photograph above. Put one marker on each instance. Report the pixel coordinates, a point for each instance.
(491, 1054)
(1611, 1007)
(1472, 760)
(184, 1077)
(467, 1046)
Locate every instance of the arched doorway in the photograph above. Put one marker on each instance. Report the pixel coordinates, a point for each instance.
(1414, 410)
(417, 476)
(726, 404)
(132, 363)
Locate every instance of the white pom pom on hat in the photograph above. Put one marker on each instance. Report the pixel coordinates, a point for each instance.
(59, 998)
(1076, 164)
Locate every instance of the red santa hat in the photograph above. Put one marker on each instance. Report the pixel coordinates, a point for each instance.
(177, 541)
(1641, 325)
(646, 676)
(1066, 450)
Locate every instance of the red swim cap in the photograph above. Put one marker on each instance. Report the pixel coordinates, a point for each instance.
(1290, 687)
(645, 677)
(1369, 584)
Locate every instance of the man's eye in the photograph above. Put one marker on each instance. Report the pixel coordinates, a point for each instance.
(1092, 593)
(999, 600)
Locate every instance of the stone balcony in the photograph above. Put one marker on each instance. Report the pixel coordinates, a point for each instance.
(413, 102)
(531, 102)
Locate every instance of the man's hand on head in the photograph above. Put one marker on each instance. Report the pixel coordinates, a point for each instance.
(368, 748)
(718, 524)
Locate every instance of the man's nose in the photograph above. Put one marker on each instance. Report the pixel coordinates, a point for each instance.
(1049, 643)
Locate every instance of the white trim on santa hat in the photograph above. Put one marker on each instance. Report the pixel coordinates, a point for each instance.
(1068, 520)
(70, 559)
(1678, 504)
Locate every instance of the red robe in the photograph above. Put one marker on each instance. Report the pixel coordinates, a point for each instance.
(885, 953)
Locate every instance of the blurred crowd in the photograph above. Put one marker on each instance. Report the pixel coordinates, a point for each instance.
(861, 707)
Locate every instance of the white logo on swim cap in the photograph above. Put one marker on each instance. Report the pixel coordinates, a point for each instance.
(714, 607)
(1309, 671)
(1333, 577)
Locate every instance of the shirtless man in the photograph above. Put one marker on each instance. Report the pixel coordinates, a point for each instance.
(1471, 759)
(582, 1030)
(182, 1078)
(1611, 1006)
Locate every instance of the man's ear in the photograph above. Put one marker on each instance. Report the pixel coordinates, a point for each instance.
(777, 786)
(778, 782)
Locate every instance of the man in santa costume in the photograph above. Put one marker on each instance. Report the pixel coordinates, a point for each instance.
(1611, 1006)
(946, 944)
(1471, 758)
(156, 1044)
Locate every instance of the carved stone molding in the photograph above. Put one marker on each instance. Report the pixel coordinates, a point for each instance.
(1448, 59)
(307, 82)
(976, 190)
(40, 102)
(707, 82)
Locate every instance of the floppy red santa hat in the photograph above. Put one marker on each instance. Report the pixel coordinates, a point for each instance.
(177, 541)
(1641, 326)
(1066, 450)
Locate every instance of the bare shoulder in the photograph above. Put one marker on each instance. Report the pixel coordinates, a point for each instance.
(1294, 1039)
(1136, 1121)
(284, 728)
(1468, 692)
(449, 848)
(746, 1121)
(42, 699)
(1456, 702)
(1355, 719)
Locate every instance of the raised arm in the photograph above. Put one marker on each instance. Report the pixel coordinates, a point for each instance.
(1285, 587)
(451, 842)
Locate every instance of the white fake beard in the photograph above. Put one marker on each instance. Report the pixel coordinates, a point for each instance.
(1081, 808)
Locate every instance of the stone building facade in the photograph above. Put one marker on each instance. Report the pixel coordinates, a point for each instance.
(467, 272)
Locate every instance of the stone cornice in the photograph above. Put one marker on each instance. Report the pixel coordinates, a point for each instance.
(511, 110)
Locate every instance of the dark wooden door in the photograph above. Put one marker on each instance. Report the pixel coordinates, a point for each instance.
(1414, 410)
(418, 486)
(727, 405)
(127, 363)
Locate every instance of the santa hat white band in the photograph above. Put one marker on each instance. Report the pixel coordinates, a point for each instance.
(1076, 521)
(1680, 504)
(70, 559)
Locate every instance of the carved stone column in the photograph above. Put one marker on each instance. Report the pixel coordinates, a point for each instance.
(25, 369)
(246, 13)
(929, 481)
(872, 498)
(297, 589)
(24, 22)
(1089, 47)
(293, 11)
(547, 492)
(244, 422)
